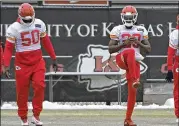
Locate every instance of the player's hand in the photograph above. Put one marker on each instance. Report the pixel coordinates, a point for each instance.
(55, 65)
(6, 72)
(137, 42)
(169, 76)
(128, 41)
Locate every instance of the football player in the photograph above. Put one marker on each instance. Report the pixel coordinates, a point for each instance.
(27, 34)
(126, 41)
(173, 65)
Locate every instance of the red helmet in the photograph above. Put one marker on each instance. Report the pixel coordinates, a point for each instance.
(26, 13)
(129, 15)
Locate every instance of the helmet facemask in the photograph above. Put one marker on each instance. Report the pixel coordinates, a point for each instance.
(28, 20)
(129, 19)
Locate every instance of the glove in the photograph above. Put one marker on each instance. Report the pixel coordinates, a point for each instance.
(169, 76)
(6, 72)
(55, 65)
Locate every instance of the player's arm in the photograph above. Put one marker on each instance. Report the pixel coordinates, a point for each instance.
(173, 45)
(2, 60)
(170, 54)
(114, 46)
(9, 47)
(47, 44)
(2, 55)
(145, 44)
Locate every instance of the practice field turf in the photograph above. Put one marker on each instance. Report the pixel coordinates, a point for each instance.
(94, 117)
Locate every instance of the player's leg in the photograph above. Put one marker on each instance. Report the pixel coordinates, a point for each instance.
(126, 60)
(22, 76)
(131, 64)
(176, 89)
(38, 85)
(121, 62)
(131, 96)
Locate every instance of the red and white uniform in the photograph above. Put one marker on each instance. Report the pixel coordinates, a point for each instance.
(121, 33)
(29, 64)
(173, 64)
(27, 42)
(128, 57)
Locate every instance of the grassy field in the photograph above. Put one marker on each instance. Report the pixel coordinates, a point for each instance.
(94, 117)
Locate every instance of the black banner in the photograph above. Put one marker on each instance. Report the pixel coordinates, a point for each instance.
(80, 38)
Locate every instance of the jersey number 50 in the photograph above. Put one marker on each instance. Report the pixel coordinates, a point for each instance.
(29, 38)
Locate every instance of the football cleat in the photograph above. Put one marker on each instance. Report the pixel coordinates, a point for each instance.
(177, 120)
(24, 122)
(129, 123)
(36, 121)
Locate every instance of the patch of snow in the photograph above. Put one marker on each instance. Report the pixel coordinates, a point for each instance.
(169, 102)
(57, 105)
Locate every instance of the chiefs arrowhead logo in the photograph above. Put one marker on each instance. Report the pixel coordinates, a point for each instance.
(97, 59)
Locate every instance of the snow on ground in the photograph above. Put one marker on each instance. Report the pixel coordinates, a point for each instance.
(169, 102)
(55, 105)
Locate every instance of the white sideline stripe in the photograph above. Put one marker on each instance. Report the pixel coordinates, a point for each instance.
(81, 73)
(148, 56)
(13, 80)
(156, 80)
(156, 56)
(56, 56)
(8, 80)
(72, 74)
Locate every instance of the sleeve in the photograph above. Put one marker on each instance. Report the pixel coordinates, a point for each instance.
(2, 56)
(145, 33)
(173, 40)
(114, 34)
(173, 45)
(48, 46)
(9, 47)
(46, 42)
(43, 29)
(171, 53)
(11, 34)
